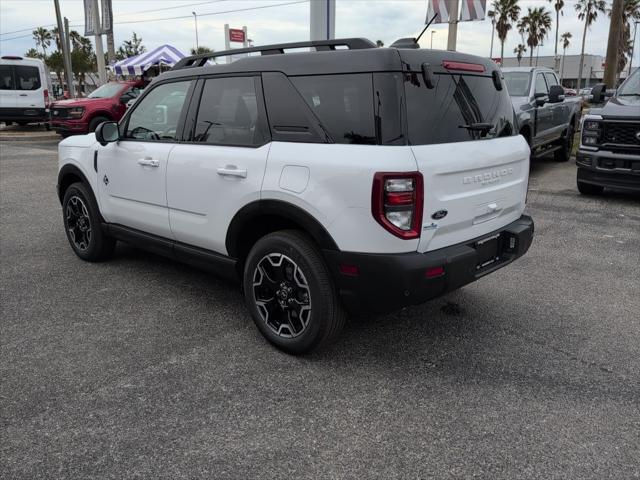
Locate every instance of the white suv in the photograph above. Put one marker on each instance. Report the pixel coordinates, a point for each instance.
(349, 178)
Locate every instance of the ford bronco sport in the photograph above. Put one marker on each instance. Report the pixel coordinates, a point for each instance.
(346, 178)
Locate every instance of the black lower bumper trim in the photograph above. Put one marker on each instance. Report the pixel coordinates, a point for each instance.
(621, 180)
(387, 282)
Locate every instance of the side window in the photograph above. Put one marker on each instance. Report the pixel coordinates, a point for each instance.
(27, 78)
(343, 103)
(157, 115)
(6, 77)
(228, 113)
(551, 79)
(541, 85)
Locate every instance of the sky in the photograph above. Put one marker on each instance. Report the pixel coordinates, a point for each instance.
(385, 20)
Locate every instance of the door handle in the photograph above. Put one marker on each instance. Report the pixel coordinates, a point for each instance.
(232, 171)
(148, 162)
(23, 95)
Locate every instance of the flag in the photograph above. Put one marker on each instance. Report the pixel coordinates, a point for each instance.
(473, 10)
(441, 9)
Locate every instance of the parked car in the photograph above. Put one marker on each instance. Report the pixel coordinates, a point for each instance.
(83, 115)
(347, 178)
(24, 90)
(570, 92)
(546, 119)
(609, 153)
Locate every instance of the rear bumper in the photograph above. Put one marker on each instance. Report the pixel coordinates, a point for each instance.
(24, 115)
(387, 282)
(609, 169)
(70, 126)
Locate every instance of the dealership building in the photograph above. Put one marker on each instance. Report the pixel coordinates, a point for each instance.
(592, 68)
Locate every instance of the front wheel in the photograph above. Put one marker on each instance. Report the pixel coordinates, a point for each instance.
(82, 225)
(564, 153)
(290, 294)
(93, 124)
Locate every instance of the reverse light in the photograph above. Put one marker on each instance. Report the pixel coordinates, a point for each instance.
(396, 203)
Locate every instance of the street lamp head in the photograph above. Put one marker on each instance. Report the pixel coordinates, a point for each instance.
(193, 13)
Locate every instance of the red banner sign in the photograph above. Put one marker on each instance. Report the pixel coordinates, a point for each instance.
(236, 35)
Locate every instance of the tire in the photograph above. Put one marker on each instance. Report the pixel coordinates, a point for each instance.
(8, 124)
(564, 153)
(589, 189)
(93, 124)
(289, 293)
(23, 124)
(83, 226)
(47, 127)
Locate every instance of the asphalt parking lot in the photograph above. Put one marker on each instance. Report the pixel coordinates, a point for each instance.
(145, 368)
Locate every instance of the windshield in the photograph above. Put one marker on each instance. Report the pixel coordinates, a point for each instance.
(106, 91)
(631, 86)
(517, 83)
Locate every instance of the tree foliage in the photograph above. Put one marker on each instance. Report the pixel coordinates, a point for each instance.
(201, 49)
(130, 48)
(535, 25)
(505, 13)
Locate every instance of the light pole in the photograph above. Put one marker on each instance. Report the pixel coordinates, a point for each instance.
(195, 17)
(633, 44)
(493, 34)
(433, 32)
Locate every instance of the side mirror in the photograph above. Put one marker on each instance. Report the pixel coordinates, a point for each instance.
(107, 132)
(540, 98)
(556, 94)
(597, 93)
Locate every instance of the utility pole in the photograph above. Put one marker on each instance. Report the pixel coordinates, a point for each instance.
(615, 35)
(66, 56)
(102, 74)
(195, 17)
(66, 52)
(493, 34)
(453, 26)
(322, 19)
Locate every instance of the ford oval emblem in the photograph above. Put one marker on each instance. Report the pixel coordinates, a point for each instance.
(439, 214)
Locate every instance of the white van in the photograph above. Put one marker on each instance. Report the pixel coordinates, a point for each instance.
(25, 84)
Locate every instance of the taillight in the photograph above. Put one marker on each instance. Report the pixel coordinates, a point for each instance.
(396, 203)
(46, 98)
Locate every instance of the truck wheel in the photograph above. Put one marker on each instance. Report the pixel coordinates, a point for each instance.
(564, 153)
(8, 124)
(93, 124)
(289, 292)
(82, 225)
(23, 124)
(589, 189)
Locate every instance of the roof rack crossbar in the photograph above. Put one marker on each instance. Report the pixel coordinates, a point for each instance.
(276, 49)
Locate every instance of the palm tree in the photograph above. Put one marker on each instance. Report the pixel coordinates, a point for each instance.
(506, 12)
(42, 37)
(519, 51)
(558, 5)
(630, 14)
(201, 49)
(492, 15)
(587, 11)
(536, 25)
(379, 43)
(566, 36)
(75, 39)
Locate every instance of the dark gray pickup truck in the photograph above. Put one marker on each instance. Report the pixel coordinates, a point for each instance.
(545, 118)
(609, 154)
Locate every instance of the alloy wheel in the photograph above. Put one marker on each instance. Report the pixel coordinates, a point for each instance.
(78, 222)
(281, 294)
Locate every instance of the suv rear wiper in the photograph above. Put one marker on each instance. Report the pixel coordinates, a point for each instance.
(478, 127)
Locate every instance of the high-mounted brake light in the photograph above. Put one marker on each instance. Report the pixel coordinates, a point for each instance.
(396, 203)
(463, 66)
(11, 57)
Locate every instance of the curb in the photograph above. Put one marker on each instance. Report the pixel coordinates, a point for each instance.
(27, 138)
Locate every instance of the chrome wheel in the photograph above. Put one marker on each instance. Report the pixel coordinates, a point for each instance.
(78, 222)
(281, 294)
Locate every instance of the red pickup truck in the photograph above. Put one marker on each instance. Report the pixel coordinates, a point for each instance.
(83, 115)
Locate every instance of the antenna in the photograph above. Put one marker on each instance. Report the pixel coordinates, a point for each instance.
(425, 28)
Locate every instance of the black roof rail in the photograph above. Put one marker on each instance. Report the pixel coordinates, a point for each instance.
(277, 49)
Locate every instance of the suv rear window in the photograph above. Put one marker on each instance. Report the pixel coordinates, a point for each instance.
(342, 103)
(437, 115)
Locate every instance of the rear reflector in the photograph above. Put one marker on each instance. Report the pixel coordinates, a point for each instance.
(464, 66)
(434, 272)
(350, 270)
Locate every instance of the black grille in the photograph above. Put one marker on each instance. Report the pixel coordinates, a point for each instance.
(622, 133)
(60, 113)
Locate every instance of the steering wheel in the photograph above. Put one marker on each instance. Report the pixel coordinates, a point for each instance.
(148, 134)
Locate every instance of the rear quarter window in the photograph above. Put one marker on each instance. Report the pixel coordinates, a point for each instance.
(342, 103)
(6, 77)
(437, 115)
(27, 78)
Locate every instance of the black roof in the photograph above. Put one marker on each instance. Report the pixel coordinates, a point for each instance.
(361, 56)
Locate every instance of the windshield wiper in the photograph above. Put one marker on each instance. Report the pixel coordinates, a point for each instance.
(478, 127)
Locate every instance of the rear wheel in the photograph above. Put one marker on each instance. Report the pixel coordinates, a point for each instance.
(289, 293)
(82, 225)
(589, 189)
(93, 124)
(22, 123)
(564, 153)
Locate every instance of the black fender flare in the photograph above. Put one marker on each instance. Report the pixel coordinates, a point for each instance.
(64, 174)
(278, 208)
